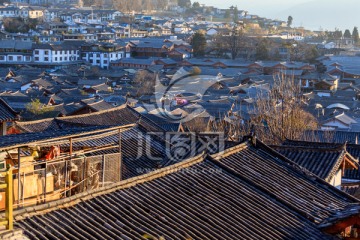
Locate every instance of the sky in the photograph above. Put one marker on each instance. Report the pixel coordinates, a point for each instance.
(311, 14)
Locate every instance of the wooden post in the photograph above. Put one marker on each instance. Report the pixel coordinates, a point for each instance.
(45, 181)
(19, 180)
(69, 174)
(120, 155)
(84, 175)
(3, 129)
(23, 188)
(103, 169)
(71, 147)
(9, 199)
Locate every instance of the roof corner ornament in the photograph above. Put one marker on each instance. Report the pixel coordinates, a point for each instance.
(253, 135)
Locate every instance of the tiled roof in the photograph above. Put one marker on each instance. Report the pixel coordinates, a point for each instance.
(323, 148)
(285, 180)
(331, 136)
(16, 140)
(6, 112)
(247, 192)
(121, 115)
(323, 162)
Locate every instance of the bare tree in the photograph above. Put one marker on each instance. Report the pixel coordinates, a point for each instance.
(162, 4)
(147, 5)
(126, 5)
(279, 113)
(145, 81)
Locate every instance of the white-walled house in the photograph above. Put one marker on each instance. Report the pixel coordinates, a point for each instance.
(9, 12)
(56, 53)
(101, 54)
(340, 122)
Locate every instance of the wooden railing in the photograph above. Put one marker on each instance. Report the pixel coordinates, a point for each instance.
(8, 186)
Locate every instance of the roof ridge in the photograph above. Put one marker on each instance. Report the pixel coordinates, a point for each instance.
(309, 142)
(34, 121)
(231, 150)
(142, 116)
(87, 195)
(8, 106)
(291, 164)
(310, 148)
(91, 114)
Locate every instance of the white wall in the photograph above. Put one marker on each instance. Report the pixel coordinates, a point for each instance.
(336, 124)
(336, 180)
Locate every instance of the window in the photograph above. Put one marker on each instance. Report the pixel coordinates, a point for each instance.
(27, 58)
(98, 61)
(37, 52)
(46, 59)
(36, 59)
(2, 58)
(60, 58)
(19, 58)
(105, 61)
(46, 52)
(65, 58)
(55, 58)
(98, 55)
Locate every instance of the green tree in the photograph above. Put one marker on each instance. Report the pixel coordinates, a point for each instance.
(262, 52)
(196, 5)
(355, 35)
(36, 39)
(311, 54)
(183, 3)
(276, 56)
(37, 108)
(235, 14)
(347, 33)
(289, 21)
(237, 42)
(338, 34)
(198, 43)
(32, 23)
(227, 14)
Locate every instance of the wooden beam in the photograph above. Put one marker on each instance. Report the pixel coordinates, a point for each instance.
(9, 199)
(121, 165)
(351, 163)
(66, 137)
